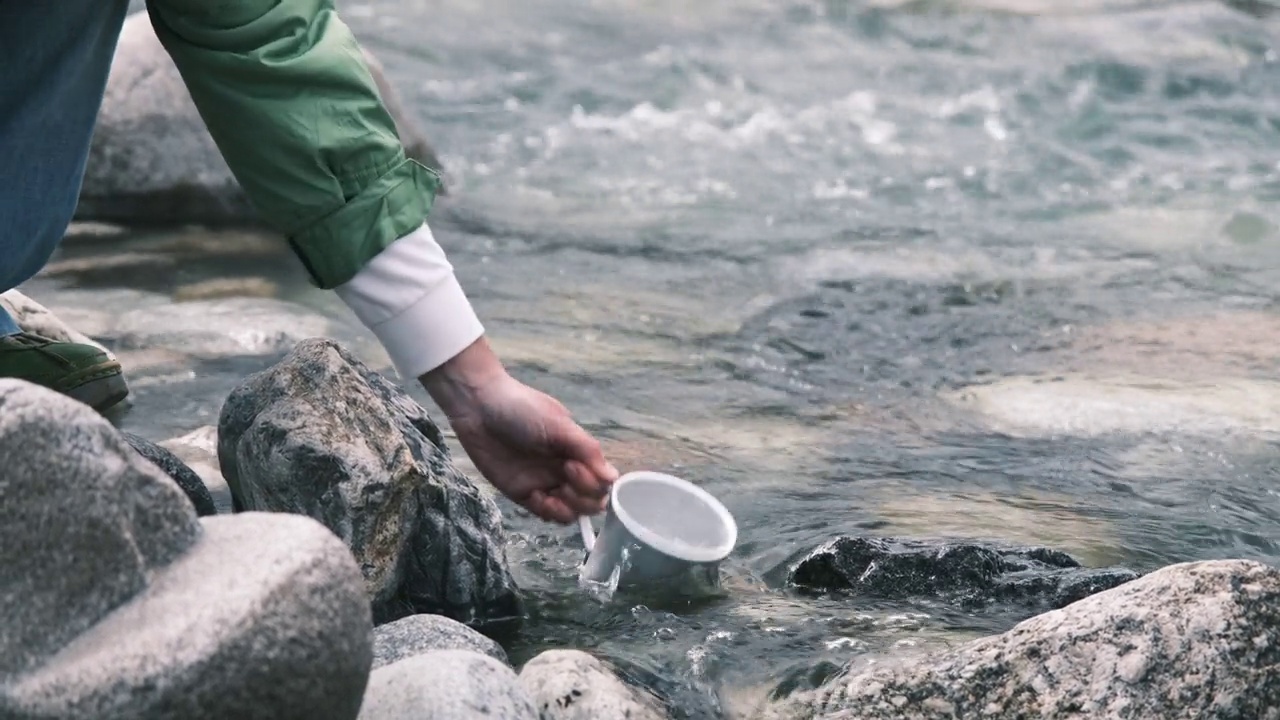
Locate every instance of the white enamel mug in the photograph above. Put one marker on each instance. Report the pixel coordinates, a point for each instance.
(657, 526)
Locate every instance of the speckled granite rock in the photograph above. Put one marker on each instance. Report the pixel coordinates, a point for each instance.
(420, 634)
(446, 685)
(1195, 640)
(573, 685)
(120, 603)
(320, 434)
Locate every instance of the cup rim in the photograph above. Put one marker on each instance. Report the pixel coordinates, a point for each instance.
(675, 548)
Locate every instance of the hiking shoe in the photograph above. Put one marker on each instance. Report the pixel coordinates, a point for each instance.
(82, 372)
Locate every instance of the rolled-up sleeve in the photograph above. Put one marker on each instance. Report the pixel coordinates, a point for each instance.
(293, 108)
(291, 104)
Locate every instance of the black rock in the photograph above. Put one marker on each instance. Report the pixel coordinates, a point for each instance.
(968, 573)
(194, 488)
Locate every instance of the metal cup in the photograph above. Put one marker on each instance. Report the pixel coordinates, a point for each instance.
(657, 526)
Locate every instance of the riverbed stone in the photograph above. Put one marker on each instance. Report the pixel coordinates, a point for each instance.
(419, 634)
(152, 158)
(574, 685)
(1195, 639)
(84, 521)
(185, 477)
(1093, 405)
(121, 603)
(967, 573)
(320, 434)
(198, 450)
(445, 685)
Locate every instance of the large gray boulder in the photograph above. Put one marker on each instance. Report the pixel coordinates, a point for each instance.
(421, 634)
(446, 685)
(152, 158)
(322, 435)
(1195, 640)
(120, 603)
(573, 685)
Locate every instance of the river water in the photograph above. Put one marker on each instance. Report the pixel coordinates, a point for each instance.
(999, 269)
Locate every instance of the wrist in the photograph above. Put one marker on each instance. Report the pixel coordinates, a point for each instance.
(456, 384)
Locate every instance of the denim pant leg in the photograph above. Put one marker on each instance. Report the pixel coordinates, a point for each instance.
(55, 57)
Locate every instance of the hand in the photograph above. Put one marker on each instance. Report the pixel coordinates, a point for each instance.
(523, 441)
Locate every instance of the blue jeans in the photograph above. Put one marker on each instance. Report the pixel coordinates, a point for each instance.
(55, 58)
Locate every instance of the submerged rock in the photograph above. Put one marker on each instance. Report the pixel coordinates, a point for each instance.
(152, 158)
(967, 573)
(1191, 640)
(322, 435)
(185, 477)
(446, 685)
(421, 634)
(121, 603)
(572, 685)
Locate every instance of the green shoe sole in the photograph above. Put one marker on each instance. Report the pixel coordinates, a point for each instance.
(100, 389)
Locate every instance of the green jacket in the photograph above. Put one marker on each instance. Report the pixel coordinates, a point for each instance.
(293, 108)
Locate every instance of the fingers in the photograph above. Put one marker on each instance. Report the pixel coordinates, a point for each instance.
(549, 508)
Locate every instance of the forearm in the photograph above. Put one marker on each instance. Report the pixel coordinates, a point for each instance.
(285, 92)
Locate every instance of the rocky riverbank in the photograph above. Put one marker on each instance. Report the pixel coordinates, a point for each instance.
(361, 569)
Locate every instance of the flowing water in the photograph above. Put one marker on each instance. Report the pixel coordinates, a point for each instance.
(1002, 269)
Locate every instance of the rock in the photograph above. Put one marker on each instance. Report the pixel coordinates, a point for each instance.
(967, 573)
(322, 435)
(33, 317)
(186, 478)
(152, 158)
(265, 617)
(120, 603)
(1195, 640)
(84, 521)
(198, 450)
(420, 634)
(445, 685)
(572, 685)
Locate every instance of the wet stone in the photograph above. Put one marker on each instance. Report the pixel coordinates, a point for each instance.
(320, 434)
(573, 685)
(1190, 640)
(966, 573)
(185, 477)
(421, 634)
(446, 685)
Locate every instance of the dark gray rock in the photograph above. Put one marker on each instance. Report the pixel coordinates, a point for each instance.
(446, 685)
(120, 603)
(1195, 640)
(185, 477)
(966, 573)
(264, 618)
(152, 158)
(420, 634)
(572, 685)
(83, 522)
(322, 435)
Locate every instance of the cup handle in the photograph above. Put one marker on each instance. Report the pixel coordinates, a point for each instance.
(588, 532)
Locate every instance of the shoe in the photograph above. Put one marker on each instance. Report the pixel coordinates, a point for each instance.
(81, 372)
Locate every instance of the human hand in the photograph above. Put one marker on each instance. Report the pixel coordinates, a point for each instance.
(523, 441)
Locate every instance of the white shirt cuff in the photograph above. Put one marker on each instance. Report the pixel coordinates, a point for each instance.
(410, 299)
